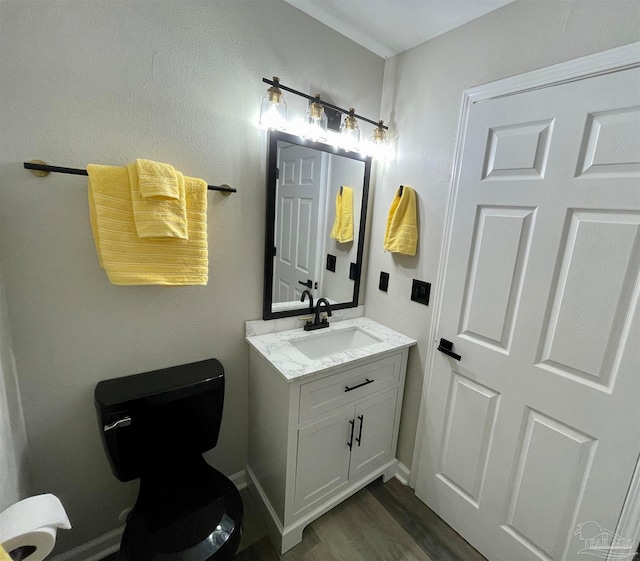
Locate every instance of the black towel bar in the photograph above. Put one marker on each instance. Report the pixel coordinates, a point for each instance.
(74, 171)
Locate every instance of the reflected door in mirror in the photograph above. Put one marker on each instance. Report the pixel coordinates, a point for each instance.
(299, 190)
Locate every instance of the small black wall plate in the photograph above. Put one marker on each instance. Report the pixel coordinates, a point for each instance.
(331, 263)
(353, 271)
(420, 291)
(384, 281)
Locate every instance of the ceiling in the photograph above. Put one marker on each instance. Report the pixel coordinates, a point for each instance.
(389, 27)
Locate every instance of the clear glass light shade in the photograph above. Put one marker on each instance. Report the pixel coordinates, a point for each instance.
(273, 109)
(378, 143)
(316, 121)
(350, 132)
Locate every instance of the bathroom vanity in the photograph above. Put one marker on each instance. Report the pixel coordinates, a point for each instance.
(324, 412)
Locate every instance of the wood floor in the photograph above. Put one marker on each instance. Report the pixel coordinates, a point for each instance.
(382, 522)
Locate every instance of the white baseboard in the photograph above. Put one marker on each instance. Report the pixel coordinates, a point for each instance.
(403, 474)
(239, 479)
(109, 543)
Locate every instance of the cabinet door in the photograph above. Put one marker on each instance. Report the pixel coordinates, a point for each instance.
(323, 458)
(373, 432)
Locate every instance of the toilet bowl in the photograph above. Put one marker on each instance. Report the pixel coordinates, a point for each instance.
(155, 426)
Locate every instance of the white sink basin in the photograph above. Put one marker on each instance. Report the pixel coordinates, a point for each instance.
(321, 345)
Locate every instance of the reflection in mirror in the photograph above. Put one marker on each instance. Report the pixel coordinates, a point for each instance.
(316, 209)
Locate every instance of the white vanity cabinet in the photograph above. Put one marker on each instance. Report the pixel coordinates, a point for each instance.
(325, 464)
(317, 438)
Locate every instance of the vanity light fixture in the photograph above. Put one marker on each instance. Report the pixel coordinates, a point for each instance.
(273, 116)
(273, 109)
(316, 121)
(350, 132)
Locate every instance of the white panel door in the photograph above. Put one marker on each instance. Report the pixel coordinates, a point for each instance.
(537, 428)
(298, 193)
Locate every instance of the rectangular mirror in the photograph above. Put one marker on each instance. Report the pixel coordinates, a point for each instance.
(304, 179)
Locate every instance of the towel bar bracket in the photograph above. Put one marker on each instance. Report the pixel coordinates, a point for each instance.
(31, 166)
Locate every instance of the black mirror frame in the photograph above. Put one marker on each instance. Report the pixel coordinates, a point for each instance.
(269, 248)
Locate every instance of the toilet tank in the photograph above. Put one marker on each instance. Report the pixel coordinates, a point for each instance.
(154, 421)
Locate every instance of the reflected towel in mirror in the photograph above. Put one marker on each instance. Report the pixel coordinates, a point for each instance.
(342, 230)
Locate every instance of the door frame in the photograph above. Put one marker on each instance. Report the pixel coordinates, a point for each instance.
(605, 62)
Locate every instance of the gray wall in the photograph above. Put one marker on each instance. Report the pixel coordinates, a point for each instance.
(422, 97)
(107, 81)
(13, 441)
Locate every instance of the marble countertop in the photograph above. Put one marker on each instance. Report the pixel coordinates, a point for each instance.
(293, 365)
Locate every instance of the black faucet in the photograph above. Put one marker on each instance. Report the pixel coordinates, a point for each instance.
(317, 323)
(307, 293)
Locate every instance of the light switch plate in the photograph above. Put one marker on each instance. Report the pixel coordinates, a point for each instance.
(331, 263)
(384, 281)
(353, 271)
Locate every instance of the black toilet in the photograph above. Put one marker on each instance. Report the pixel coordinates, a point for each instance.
(155, 426)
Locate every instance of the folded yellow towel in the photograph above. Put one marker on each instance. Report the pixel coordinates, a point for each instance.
(158, 217)
(342, 230)
(157, 180)
(129, 259)
(4, 556)
(401, 235)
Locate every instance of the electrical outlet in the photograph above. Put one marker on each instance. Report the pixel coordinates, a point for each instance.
(384, 281)
(331, 263)
(420, 291)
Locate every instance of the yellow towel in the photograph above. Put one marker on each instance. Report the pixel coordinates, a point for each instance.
(342, 230)
(4, 556)
(157, 194)
(128, 259)
(157, 180)
(401, 235)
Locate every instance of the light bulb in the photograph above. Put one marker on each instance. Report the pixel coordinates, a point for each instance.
(350, 132)
(273, 109)
(316, 121)
(378, 143)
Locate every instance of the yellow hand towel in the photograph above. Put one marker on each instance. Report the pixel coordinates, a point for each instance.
(342, 230)
(157, 180)
(401, 235)
(157, 215)
(129, 259)
(4, 556)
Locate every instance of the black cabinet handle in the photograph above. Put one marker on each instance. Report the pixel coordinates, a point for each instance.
(361, 417)
(348, 389)
(353, 425)
(308, 284)
(446, 347)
